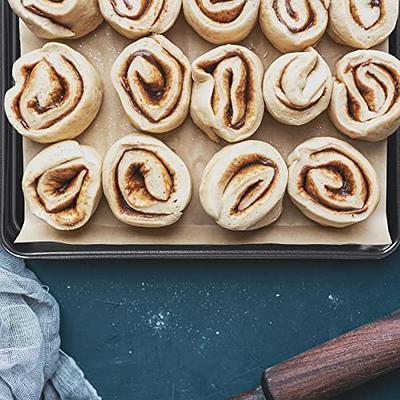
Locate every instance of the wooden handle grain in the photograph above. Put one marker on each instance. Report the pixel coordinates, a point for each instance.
(338, 365)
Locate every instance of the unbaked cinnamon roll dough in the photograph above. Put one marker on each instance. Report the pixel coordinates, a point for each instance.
(146, 184)
(137, 18)
(227, 101)
(153, 80)
(62, 184)
(298, 87)
(332, 183)
(196, 149)
(294, 25)
(222, 22)
(362, 23)
(59, 19)
(366, 96)
(243, 185)
(57, 94)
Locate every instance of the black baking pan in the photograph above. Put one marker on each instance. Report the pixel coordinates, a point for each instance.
(12, 202)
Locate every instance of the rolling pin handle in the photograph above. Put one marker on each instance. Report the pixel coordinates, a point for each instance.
(339, 365)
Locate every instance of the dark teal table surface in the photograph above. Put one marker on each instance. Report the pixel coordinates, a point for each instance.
(193, 330)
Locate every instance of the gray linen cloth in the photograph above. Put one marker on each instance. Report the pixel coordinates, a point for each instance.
(32, 366)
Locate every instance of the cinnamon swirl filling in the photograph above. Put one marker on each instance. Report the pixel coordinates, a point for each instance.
(243, 185)
(62, 184)
(366, 95)
(152, 78)
(146, 184)
(57, 94)
(294, 25)
(332, 183)
(362, 24)
(222, 21)
(227, 95)
(137, 18)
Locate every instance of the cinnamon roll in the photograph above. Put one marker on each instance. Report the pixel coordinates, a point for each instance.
(362, 24)
(243, 185)
(58, 19)
(332, 183)
(294, 25)
(227, 100)
(298, 87)
(153, 80)
(366, 95)
(145, 182)
(222, 21)
(137, 18)
(62, 184)
(57, 94)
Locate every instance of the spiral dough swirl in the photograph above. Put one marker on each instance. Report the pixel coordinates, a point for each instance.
(227, 99)
(57, 94)
(137, 18)
(362, 24)
(153, 80)
(298, 87)
(146, 184)
(293, 25)
(332, 183)
(366, 95)
(243, 185)
(58, 19)
(62, 184)
(222, 21)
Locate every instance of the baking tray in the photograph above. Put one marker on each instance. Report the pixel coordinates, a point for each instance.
(12, 203)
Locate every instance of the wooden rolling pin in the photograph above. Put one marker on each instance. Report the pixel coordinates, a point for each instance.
(334, 367)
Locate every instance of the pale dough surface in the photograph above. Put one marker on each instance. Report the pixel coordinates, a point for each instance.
(167, 180)
(49, 170)
(59, 20)
(127, 16)
(310, 177)
(79, 107)
(243, 186)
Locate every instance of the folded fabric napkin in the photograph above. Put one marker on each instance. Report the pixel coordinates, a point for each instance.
(32, 366)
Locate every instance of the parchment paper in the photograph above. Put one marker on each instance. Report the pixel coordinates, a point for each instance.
(195, 227)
